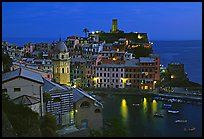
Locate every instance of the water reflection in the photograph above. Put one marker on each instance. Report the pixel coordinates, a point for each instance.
(145, 104)
(124, 110)
(154, 106)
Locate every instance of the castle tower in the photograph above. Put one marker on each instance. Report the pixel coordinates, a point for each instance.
(61, 64)
(114, 26)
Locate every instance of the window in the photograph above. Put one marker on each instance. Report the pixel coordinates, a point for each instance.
(122, 75)
(62, 70)
(113, 75)
(4, 90)
(97, 111)
(104, 74)
(57, 99)
(116, 75)
(62, 56)
(85, 104)
(17, 89)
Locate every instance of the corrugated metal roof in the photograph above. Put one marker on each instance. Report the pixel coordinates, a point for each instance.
(21, 72)
(51, 86)
(78, 94)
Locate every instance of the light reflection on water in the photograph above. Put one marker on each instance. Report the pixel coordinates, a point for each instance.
(145, 105)
(154, 106)
(124, 110)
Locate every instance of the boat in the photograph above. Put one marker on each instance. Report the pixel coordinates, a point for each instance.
(173, 111)
(166, 106)
(181, 121)
(189, 129)
(136, 104)
(158, 115)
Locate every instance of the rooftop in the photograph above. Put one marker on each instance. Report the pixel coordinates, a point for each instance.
(146, 60)
(21, 72)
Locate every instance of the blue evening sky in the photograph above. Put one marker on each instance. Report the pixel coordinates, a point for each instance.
(161, 20)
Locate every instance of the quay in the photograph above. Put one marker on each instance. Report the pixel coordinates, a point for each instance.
(179, 93)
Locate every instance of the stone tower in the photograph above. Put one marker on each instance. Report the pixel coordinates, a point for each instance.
(61, 63)
(114, 26)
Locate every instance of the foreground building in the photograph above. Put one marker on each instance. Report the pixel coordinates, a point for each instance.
(88, 111)
(24, 87)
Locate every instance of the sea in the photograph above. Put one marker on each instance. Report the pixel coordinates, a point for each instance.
(139, 121)
(188, 52)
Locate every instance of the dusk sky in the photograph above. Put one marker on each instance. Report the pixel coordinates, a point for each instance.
(161, 20)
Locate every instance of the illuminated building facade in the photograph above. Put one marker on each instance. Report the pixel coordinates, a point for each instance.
(61, 64)
(142, 73)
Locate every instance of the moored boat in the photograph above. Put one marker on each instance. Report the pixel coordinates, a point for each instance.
(158, 115)
(189, 129)
(181, 121)
(173, 111)
(166, 106)
(136, 104)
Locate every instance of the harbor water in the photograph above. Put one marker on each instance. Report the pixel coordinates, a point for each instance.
(139, 120)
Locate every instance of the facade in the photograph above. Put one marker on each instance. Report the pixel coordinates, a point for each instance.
(88, 111)
(61, 103)
(29, 48)
(61, 64)
(109, 76)
(24, 87)
(142, 73)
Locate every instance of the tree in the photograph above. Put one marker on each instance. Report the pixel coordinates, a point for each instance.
(46, 98)
(85, 30)
(24, 121)
(48, 125)
(7, 62)
(47, 132)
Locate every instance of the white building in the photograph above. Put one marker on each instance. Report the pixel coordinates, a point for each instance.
(25, 87)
